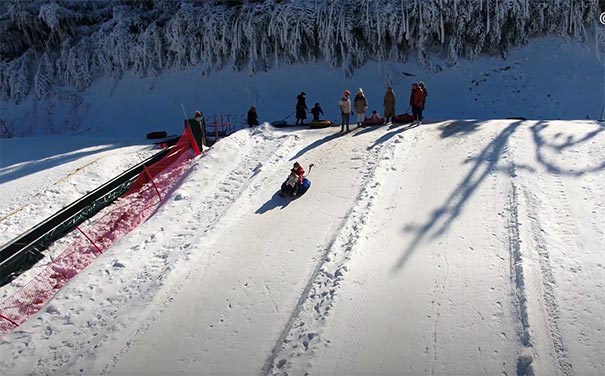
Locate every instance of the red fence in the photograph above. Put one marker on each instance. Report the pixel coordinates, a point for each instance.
(113, 223)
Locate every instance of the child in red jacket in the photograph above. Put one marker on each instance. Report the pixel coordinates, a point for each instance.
(294, 180)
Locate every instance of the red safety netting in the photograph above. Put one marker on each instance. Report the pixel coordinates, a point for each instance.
(113, 222)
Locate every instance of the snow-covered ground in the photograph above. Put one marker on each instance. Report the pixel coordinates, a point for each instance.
(456, 247)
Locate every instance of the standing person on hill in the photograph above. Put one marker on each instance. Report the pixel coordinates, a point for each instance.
(426, 94)
(361, 106)
(301, 108)
(417, 102)
(316, 111)
(345, 110)
(389, 105)
(199, 117)
(252, 116)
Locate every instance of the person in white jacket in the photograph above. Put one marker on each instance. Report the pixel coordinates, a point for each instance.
(345, 110)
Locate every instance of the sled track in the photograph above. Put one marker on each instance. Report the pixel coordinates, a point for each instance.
(317, 298)
(150, 283)
(221, 202)
(524, 366)
(550, 305)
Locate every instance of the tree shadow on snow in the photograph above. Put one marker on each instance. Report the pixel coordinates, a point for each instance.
(484, 164)
(459, 128)
(442, 217)
(543, 146)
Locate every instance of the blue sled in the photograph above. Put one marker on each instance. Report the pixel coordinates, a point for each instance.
(306, 184)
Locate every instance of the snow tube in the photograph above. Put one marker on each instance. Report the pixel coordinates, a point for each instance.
(156, 135)
(306, 184)
(302, 188)
(370, 121)
(403, 118)
(321, 124)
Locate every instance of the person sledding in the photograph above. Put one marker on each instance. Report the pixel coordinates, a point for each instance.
(294, 180)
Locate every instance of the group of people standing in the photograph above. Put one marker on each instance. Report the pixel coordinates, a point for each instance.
(359, 106)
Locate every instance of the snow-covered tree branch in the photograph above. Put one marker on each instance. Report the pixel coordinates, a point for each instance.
(67, 43)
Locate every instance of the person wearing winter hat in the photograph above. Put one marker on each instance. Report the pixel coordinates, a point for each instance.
(345, 110)
(426, 94)
(361, 106)
(417, 102)
(316, 111)
(301, 108)
(389, 104)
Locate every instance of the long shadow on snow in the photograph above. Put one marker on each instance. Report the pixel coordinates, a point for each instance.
(276, 201)
(32, 166)
(315, 144)
(484, 164)
(366, 129)
(390, 133)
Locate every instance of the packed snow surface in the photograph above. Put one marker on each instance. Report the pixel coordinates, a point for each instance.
(454, 247)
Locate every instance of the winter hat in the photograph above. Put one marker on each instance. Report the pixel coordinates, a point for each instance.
(421, 84)
(361, 90)
(303, 93)
(198, 114)
(347, 93)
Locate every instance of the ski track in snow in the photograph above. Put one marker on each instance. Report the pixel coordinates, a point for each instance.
(518, 278)
(302, 334)
(255, 154)
(543, 239)
(550, 234)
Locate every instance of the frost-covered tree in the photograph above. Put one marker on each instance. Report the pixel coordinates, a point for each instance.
(74, 43)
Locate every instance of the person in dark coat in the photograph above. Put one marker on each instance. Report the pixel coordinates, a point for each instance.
(417, 102)
(252, 117)
(426, 94)
(301, 108)
(316, 111)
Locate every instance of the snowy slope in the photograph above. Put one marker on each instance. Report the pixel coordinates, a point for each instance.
(57, 171)
(457, 247)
